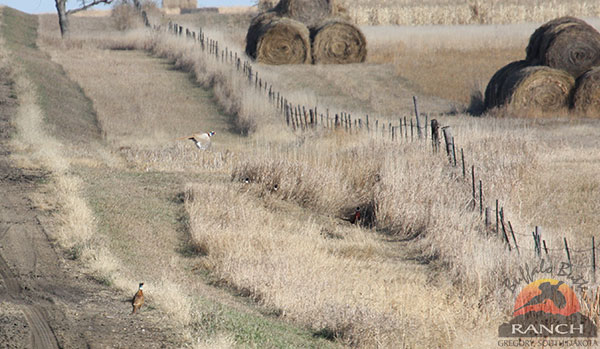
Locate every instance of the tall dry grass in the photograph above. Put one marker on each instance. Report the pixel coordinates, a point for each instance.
(254, 241)
(346, 292)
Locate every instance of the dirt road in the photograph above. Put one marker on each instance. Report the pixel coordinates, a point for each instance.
(46, 301)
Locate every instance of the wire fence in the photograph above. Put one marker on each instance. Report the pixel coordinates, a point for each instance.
(418, 127)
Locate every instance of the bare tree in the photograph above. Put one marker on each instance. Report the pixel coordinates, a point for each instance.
(63, 14)
(138, 5)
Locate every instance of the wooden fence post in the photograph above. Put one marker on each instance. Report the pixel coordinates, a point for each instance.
(462, 159)
(504, 228)
(448, 139)
(287, 115)
(567, 250)
(305, 116)
(417, 116)
(497, 218)
(537, 234)
(299, 118)
(536, 243)
(453, 152)
(480, 198)
(435, 134)
(512, 232)
(473, 186)
(593, 259)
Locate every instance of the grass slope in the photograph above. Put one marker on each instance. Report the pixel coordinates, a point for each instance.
(68, 112)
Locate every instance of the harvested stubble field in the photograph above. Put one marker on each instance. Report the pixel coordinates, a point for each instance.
(236, 264)
(410, 12)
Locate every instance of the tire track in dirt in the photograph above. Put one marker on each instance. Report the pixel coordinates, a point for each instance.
(13, 288)
(42, 335)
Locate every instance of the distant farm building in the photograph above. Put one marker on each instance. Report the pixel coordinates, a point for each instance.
(179, 6)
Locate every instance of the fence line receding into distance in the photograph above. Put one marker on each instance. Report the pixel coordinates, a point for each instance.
(416, 128)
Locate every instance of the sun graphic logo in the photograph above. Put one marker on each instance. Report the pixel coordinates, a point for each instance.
(547, 308)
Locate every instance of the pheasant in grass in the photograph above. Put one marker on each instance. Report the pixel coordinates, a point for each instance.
(202, 140)
(138, 299)
(354, 218)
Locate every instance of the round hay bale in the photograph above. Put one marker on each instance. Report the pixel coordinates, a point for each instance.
(492, 91)
(570, 45)
(309, 12)
(537, 88)
(535, 40)
(275, 40)
(338, 42)
(252, 35)
(586, 97)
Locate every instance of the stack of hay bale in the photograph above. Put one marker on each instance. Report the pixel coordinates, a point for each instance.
(305, 31)
(561, 70)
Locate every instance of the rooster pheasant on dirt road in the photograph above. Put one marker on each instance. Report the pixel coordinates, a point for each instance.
(202, 140)
(138, 299)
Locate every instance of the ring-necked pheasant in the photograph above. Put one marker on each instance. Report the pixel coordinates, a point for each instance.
(354, 218)
(138, 299)
(202, 140)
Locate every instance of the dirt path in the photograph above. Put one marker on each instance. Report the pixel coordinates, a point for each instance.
(59, 306)
(46, 301)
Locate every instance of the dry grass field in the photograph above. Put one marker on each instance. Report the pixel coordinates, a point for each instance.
(458, 12)
(271, 263)
(409, 12)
